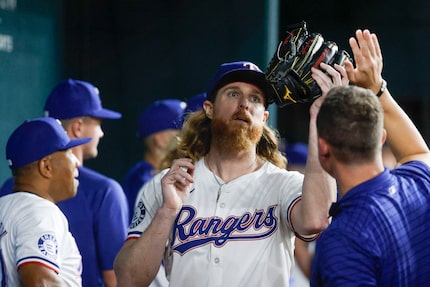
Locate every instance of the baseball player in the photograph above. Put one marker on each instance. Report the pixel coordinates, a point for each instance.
(227, 215)
(36, 247)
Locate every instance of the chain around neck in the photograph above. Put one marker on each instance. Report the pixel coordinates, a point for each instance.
(215, 176)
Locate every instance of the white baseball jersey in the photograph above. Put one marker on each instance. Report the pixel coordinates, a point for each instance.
(233, 234)
(34, 230)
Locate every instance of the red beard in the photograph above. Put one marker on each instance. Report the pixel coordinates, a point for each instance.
(235, 136)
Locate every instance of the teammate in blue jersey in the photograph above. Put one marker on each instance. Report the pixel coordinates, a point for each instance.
(381, 223)
(98, 214)
(194, 104)
(158, 124)
(227, 213)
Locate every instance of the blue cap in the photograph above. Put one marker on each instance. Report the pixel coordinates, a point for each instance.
(239, 72)
(194, 104)
(37, 138)
(73, 98)
(297, 153)
(159, 116)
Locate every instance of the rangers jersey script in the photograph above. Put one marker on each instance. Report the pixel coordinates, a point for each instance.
(228, 234)
(34, 230)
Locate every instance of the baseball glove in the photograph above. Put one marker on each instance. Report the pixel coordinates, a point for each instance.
(289, 71)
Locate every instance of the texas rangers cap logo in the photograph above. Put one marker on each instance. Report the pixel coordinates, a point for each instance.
(251, 66)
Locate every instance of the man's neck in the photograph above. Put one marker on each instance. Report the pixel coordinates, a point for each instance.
(349, 176)
(229, 166)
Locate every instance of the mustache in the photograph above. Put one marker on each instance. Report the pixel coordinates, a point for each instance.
(242, 115)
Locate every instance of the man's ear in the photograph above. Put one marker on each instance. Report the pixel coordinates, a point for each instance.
(75, 128)
(384, 136)
(45, 166)
(325, 155)
(208, 108)
(323, 148)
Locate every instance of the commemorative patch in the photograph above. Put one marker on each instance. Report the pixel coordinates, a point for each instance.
(48, 245)
(139, 214)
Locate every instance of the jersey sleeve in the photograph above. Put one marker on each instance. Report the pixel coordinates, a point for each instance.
(291, 195)
(39, 239)
(148, 200)
(293, 188)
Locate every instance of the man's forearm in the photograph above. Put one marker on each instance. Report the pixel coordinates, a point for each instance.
(139, 260)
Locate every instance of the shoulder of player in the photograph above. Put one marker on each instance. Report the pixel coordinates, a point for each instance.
(24, 205)
(139, 173)
(92, 179)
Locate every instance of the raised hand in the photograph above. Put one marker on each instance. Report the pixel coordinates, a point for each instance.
(368, 60)
(333, 76)
(177, 182)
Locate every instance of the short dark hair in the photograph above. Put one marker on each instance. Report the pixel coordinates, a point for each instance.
(351, 121)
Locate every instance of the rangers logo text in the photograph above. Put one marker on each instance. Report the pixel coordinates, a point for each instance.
(192, 232)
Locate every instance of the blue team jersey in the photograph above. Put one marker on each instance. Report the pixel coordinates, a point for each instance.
(380, 233)
(7, 187)
(135, 178)
(98, 219)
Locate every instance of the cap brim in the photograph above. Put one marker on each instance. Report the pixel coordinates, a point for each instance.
(77, 142)
(248, 76)
(106, 114)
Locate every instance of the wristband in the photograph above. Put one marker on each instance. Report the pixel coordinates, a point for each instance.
(383, 88)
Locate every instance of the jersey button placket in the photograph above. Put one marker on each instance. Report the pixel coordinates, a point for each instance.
(221, 203)
(215, 268)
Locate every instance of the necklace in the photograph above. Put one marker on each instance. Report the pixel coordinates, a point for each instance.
(220, 185)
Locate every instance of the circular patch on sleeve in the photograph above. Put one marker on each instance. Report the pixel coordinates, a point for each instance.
(139, 214)
(48, 245)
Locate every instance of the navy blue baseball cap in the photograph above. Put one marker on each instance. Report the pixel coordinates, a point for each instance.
(240, 72)
(73, 98)
(194, 104)
(161, 115)
(37, 138)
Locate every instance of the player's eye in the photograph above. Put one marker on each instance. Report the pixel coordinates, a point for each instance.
(256, 99)
(233, 94)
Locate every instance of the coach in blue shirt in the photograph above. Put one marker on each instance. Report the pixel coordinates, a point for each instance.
(380, 229)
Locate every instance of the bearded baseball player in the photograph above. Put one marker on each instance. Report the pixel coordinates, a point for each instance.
(227, 214)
